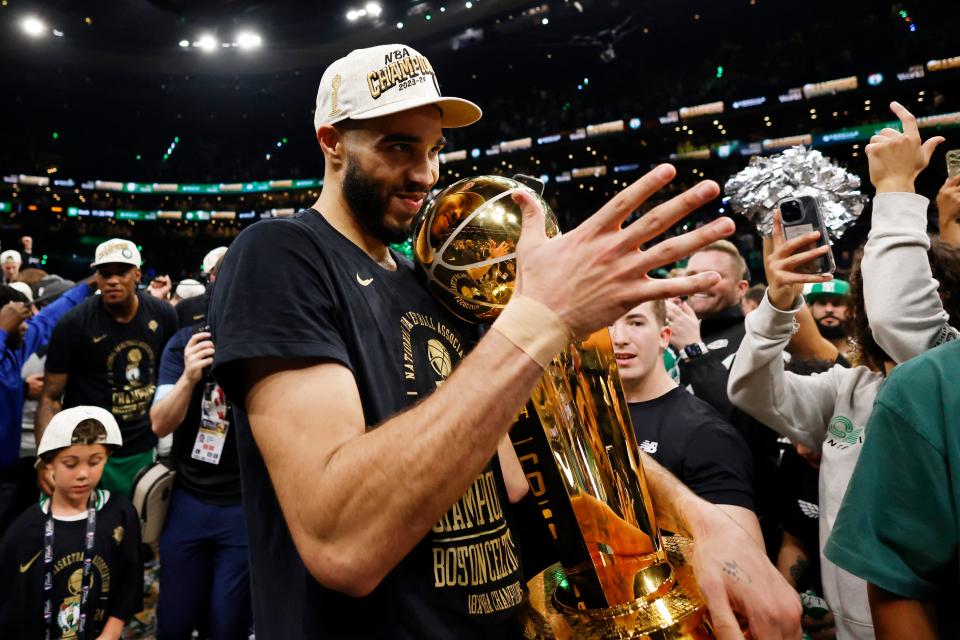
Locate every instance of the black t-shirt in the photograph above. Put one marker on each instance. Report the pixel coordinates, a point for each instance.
(116, 570)
(204, 449)
(297, 288)
(688, 437)
(112, 364)
(799, 508)
(193, 311)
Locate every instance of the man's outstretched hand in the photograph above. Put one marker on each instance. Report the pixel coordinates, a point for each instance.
(597, 272)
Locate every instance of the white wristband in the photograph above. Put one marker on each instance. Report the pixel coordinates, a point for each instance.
(534, 328)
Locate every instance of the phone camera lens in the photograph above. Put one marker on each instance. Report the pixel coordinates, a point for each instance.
(790, 210)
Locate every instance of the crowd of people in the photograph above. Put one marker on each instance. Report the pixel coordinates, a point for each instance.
(318, 446)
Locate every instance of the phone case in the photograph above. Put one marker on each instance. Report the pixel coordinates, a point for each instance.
(953, 162)
(810, 220)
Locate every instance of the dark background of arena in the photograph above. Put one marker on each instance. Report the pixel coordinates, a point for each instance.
(104, 100)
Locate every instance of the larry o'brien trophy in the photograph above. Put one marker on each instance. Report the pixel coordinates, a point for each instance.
(618, 577)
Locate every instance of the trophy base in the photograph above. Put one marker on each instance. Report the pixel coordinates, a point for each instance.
(678, 614)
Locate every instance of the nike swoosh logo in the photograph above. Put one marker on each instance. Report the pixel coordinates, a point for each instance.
(364, 283)
(25, 567)
(99, 338)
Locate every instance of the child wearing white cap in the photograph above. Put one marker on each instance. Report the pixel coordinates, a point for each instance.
(70, 565)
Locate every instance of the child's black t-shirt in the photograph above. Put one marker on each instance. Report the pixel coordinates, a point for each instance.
(116, 572)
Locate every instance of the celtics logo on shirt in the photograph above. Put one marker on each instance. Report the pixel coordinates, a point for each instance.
(130, 373)
(68, 611)
(133, 368)
(68, 617)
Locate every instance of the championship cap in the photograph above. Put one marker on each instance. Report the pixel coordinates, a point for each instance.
(10, 255)
(379, 81)
(59, 433)
(210, 260)
(116, 250)
(833, 288)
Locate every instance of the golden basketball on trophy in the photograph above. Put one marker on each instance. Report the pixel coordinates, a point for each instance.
(466, 242)
(617, 576)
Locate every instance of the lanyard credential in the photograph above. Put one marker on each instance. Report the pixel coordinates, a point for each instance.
(88, 542)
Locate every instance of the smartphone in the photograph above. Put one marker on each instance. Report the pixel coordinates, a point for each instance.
(953, 162)
(801, 215)
(200, 328)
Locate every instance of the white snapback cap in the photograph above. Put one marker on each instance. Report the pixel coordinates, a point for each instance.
(116, 250)
(190, 288)
(379, 81)
(23, 288)
(59, 432)
(210, 260)
(10, 255)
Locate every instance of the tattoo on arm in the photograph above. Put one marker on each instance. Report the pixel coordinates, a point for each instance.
(736, 572)
(798, 570)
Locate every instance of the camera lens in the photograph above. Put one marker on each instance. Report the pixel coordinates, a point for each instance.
(790, 210)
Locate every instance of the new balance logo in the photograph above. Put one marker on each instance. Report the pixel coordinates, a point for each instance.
(649, 446)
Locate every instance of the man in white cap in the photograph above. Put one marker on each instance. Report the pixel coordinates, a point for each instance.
(187, 288)
(10, 262)
(357, 463)
(211, 259)
(105, 353)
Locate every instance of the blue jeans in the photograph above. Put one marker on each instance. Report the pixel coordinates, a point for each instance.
(204, 571)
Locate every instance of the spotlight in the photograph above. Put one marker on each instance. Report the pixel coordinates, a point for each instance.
(57, 33)
(249, 40)
(353, 14)
(399, 25)
(33, 26)
(184, 43)
(373, 9)
(207, 42)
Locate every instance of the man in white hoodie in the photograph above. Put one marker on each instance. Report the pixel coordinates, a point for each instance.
(829, 411)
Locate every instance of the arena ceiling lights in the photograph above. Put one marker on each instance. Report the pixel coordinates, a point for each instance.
(36, 28)
(207, 42)
(370, 10)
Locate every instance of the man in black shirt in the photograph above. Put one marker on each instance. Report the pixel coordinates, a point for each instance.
(707, 331)
(677, 429)
(373, 488)
(105, 353)
(205, 570)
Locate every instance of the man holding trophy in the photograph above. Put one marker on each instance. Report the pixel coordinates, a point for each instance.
(372, 445)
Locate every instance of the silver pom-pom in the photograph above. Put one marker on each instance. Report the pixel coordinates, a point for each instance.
(798, 171)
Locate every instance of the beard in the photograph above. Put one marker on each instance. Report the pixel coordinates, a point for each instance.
(832, 332)
(368, 199)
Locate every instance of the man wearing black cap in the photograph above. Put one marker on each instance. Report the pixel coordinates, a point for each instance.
(373, 449)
